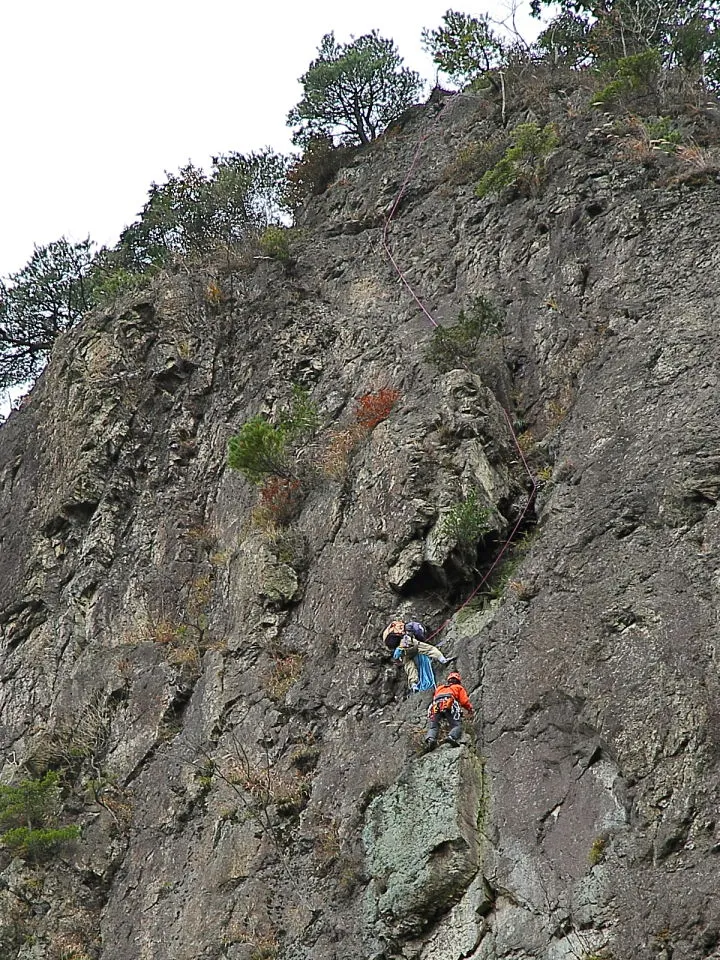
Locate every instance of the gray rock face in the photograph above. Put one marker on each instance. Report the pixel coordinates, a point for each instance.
(233, 740)
(422, 843)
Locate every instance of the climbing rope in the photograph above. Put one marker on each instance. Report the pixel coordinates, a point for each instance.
(390, 216)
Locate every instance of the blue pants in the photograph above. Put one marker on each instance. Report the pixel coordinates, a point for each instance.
(454, 733)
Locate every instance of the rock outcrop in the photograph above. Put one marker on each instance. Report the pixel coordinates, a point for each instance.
(234, 744)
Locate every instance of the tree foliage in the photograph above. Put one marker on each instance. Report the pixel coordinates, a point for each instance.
(194, 211)
(352, 91)
(262, 449)
(456, 346)
(465, 47)
(686, 33)
(37, 303)
(191, 213)
(29, 814)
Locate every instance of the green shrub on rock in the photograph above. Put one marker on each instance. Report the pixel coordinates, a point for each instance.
(259, 450)
(636, 74)
(522, 163)
(475, 159)
(273, 243)
(39, 844)
(467, 521)
(456, 346)
(262, 449)
(30, 810)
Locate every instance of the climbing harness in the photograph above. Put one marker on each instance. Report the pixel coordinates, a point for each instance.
(443, 702)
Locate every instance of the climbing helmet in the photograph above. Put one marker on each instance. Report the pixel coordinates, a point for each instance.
(454, 677)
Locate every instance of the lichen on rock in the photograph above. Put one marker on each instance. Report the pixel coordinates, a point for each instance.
(422, 843)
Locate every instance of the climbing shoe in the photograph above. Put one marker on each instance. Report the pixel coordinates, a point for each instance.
(453, 742)
(429, 744)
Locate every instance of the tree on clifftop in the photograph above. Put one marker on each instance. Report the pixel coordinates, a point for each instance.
(36, 304)
(685, 33)
(465, 47)
(193, 211)
(352, 91)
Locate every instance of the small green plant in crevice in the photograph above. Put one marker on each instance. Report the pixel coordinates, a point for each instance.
(642, 140)
(475, 159)
(300, 418)
(663, 134)
(467, 521)
(274, 243)
(456, 346)
(204, 775)
(597, 851)
(544, 475)
(522, 164)
(29, 816)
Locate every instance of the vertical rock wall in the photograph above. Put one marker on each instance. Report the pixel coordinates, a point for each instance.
(234, 744)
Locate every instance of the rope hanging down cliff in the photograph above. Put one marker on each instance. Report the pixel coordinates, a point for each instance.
(389, 217)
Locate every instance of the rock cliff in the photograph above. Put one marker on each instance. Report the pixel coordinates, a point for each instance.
(233, 742)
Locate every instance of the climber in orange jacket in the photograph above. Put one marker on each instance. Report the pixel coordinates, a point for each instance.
(450, 698)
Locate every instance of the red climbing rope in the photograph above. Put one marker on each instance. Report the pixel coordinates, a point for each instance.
(408, 286)
(391, 214)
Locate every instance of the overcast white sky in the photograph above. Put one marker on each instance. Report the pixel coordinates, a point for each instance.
(100, 98)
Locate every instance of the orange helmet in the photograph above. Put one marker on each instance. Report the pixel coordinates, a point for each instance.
(454, 677)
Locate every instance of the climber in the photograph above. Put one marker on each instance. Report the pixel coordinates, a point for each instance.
(407, 641)
(446, 705)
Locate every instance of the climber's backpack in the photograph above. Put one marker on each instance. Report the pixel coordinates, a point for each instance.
(415, 629)
(393, 634)
(442, 703)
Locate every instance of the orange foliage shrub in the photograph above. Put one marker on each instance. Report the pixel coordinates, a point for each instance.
(280, 500)
(372, 408)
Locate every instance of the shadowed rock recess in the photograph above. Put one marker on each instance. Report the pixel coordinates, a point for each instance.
(232, 740)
